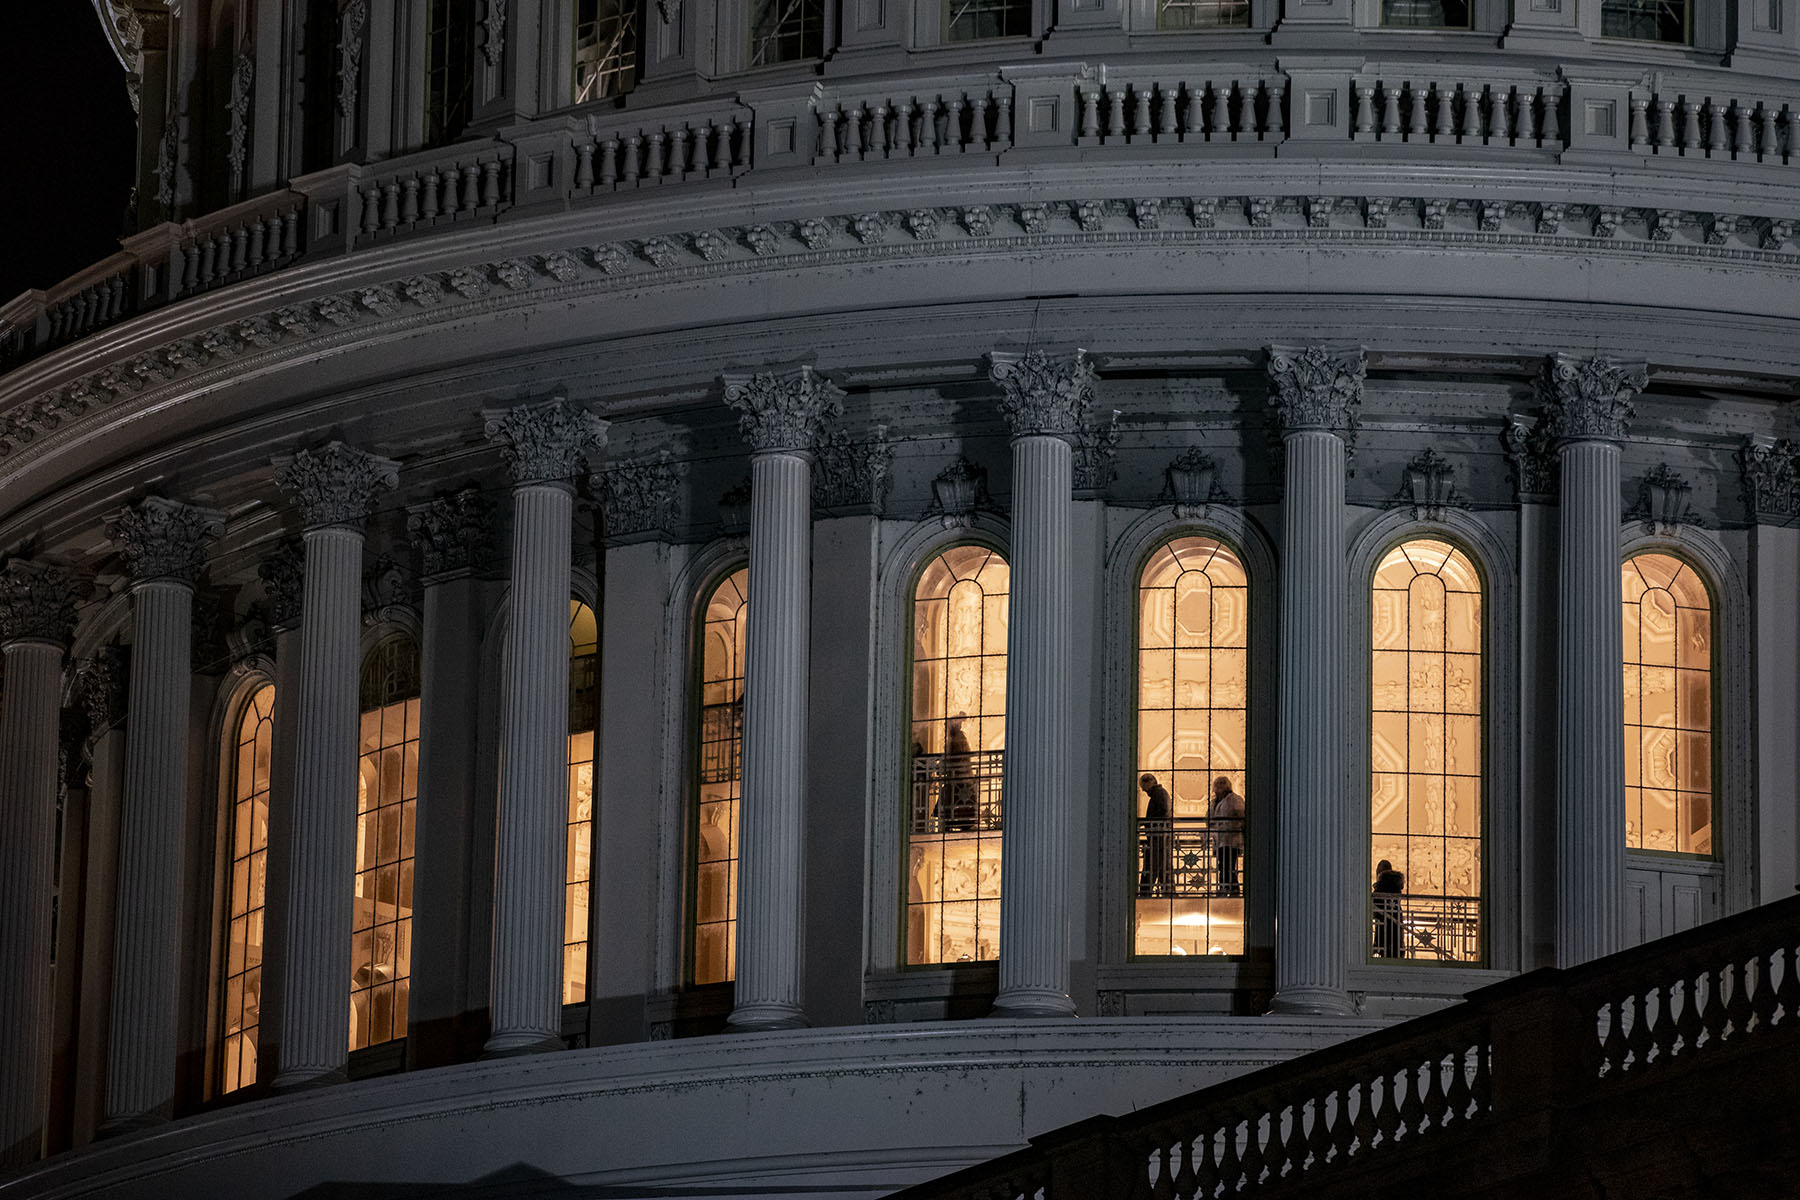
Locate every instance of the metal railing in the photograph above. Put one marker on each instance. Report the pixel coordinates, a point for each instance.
(1461, 1090)
(1180, 856)
(957, 793)
(1428, 928)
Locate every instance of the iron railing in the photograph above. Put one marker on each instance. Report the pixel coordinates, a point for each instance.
(1426, 928)
(1180, 856)
(957, 793)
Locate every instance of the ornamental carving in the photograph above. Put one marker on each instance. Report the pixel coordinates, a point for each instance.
(1533, 459)
(209, 649)
(37, 602)
(1588, 399)
(165, 540)
(454, 532)
(639, 497)
(1662, 503)
(334, 484)
(283, 575)
(783, 412)
(957, 492)
(1771, 478)
(1315, 388)
(352, 18)
(1192, 483)
(1043, 395)
(100, 689)
(849, 474)
(243, 77)
(1429, 484)
(734, 507)
(546, 443)
(493, 29)
(1096, 454)
(389, 588)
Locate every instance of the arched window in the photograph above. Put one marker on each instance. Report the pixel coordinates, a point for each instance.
(786, 31)
(957, 757)
(1192, 732)
(1425, 753)
(720, 776)
(386, 819)
(1668, 640)
(247, 853)
(584, 704)
(605, 48)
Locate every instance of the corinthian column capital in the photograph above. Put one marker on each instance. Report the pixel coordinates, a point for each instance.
(784, 410)
(37, 602)
(548, 442)
(1589, 399)
(165, 539)
(334, 484)
(1043, 394)
(1315, 388)
(454, 532)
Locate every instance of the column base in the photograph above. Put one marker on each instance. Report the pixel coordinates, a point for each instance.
(1033, 1003)
(296, 1079)
(1312, 1002)
(759, 1018)
(511, 1045)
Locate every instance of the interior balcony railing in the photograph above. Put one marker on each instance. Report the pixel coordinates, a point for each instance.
(1685, 121)
(1181, 857)
(1521, 1089)
(1426, 928)
(957, 793)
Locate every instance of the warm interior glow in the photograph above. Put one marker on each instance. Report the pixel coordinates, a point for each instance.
(956, 759)
(584, 689)
(386, 821)
(1192, 705)
(1668, 706)
(1425, 752)
(720, 775)
(241, 1006)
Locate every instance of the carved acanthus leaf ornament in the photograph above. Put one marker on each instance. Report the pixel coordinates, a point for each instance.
(546, 443)
(454, 532)
(1316, 388)
(334, 484)
(283, 575)
(639, 497)
(783, 411)
(1589, 399)
(37, 602)
(164, 539)
(1041, 394)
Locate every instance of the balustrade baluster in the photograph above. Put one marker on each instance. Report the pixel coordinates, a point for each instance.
(1115, 112)
(1415, 111)
(1741, 139)
(1764, 1003)
(1640, 1042)
(390, 204)
(1362, 1124)
(253, 255)
(978, 124)
(1691, 137)
(428, 203)
(1166, 114)
(1715, 1014)
(853, 137)
(633, 147)
(1640, 124)
(828, 134)
(1687, 1023)
(878, 130)
(1140, 110)
(190, 265)
(1715, 127)
(1468, 123)
(933, 138)
(409, 201)
(237, 242)
(1243, 121)
(1003, 130)
(1769, 151)
(1523, 127)
(1440, 111)
(1327, 1116)
(490, 184)
(1277, 124)
(1431, 1095)
(1251, 1158)
(654, 166)
(1552, 106)
(745, 150)
(371, 209)
(1187, 1179)
(209, 257)
(958, 107)
(1090, 113)
(1163, 1158)
(1737, 1004)
(678, 157)
(1364, 95)
(1787, 993)
(290, 232)
(1390, 110)
(1460, 1095)
(1665, 124)
(1218, 117)
(471, 188)
(1493, 103)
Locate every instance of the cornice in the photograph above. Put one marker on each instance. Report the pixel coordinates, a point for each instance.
(135, 377)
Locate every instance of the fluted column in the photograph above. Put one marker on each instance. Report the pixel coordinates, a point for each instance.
(1315, 396)
(332, 487)
(1044, 400)
(37, 620)
(781, 416)
(164, 546)
(545, 446)
(1588, 405)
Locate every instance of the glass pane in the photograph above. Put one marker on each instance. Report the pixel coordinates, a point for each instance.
(1667, 684)
(714, 850)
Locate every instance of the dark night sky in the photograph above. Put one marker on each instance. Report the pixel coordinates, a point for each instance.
(67, 138)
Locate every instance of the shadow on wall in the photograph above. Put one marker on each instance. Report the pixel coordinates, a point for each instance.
(520, 1182)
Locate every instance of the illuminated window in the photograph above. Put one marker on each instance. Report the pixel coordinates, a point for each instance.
(241, 1004)
(1192, 701)
(958, 758)
(449, 69)
(1425, 751)
(1646, 20)
(584, 701)
(1425, 14)
(605, 48)
(1668, 706)
(967, 20)
(386, 817)
(1203, 14)
(721, 779)
(786, 30)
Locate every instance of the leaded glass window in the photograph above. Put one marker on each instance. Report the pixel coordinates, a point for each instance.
(968, 20)
(247, 875)
(449, 68)
(1425, 14)
(1192, 750)
(720, 775)
(1202, 14)
(957, 760)
(1646, 20)
(578, 858)
(786, 31)
(606, 47)
(1425, 752)
(387, 800)
(1667, 641)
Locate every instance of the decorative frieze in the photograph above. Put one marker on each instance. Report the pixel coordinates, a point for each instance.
(1662, 503)
(1588, 399)
(1532, 458)
(852, 475)
(640, 497)
(283, 577)
(958, 492)
(37, 602)
(1771, 478)
(1041, 394)
(333, 485)
(1429, 484)
(164, 539)
(545, 443)
(454, 533)
(1315, 388)
(783, 411)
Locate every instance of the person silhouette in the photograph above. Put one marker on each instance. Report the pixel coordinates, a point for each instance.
(1155, 877)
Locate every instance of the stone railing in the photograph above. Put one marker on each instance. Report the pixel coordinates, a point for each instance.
(1005, 115)
(1461, 1086)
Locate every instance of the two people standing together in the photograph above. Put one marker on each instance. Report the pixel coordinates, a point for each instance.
(1224, 834)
